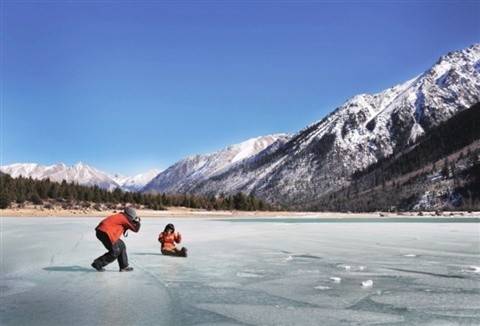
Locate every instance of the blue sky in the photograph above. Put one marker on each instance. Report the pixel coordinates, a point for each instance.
(127, 86)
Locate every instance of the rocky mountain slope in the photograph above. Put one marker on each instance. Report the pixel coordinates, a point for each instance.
(136, 182)
(184, 175)
(440, 171)
(367, 128)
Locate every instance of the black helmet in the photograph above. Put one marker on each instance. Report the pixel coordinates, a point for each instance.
(130, 212)
(170, 227)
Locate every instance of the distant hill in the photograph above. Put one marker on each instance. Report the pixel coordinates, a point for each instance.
(80, 173)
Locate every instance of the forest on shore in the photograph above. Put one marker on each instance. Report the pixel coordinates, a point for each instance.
(45, 193)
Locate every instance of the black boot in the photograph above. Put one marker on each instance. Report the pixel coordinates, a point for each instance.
(183, 252)
(98, 267)
(126, 269)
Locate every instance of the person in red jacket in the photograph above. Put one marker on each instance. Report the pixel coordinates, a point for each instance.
(168, 238)
(109, 232)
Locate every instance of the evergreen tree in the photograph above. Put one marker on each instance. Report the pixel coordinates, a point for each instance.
(53, 191)
(128, 197)
(5, 198)
(240, 202)
(21, 189)
(117, 194)
(35, 198)
(446, 170)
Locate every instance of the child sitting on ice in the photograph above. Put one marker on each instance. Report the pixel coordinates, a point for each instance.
(168, 238)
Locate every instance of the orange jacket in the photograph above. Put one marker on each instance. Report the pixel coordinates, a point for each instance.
(115, 225)
(168, 240)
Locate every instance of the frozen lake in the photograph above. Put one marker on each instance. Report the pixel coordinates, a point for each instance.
(244, 272)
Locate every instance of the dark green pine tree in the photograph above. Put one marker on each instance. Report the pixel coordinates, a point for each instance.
(240, 201)
(35, 198)
(5, 196)
(446, 168)
(128, 197)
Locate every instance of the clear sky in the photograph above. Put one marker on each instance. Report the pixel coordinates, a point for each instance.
(129, 85)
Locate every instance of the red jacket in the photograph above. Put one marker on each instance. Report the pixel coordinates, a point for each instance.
(115, 225)
(168, 240)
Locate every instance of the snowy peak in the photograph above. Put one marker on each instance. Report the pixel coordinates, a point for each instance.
(402, 113)
(19, 169)
(451, 84)
(366, 128)
(238, 152)
(138, 181)
(252, 146)
(463, 58)
(80, 173)
(186, 173)
(119, 178)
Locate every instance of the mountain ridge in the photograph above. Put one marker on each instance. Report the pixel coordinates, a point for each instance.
(290, 170)
(366, 128)
(183, 175)
(80, 173)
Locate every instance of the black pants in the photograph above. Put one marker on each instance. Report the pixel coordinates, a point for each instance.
(175, 252)
(117, 250)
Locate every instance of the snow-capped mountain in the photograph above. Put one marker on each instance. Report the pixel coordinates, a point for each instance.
(80, 173)
(137, 182)
(363, 130)
(187, 173)
(297, 170)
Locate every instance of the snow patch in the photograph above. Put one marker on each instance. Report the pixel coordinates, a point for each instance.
(248, 275)
(367, 283)
(473, 269)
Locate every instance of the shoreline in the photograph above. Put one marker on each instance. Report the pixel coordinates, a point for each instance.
(179, 212)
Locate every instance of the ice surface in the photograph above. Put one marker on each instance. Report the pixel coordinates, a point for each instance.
(243, 273)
